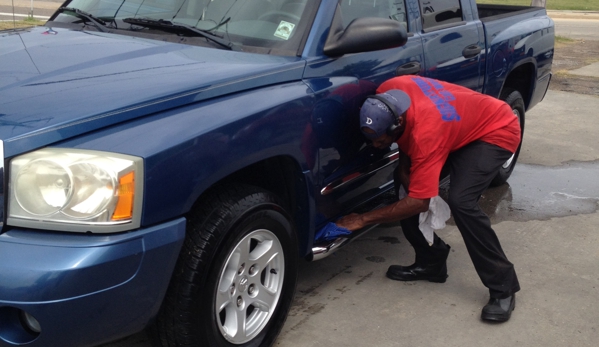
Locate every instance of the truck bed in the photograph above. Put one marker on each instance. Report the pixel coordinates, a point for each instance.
(487, 12)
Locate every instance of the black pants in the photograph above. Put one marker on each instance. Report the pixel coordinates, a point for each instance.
(472, 168)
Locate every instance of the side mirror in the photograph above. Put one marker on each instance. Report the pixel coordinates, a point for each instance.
(365, 35)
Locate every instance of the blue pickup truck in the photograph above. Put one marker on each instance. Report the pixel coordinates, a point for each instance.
(167, 163)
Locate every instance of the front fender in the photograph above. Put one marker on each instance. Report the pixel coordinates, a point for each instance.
(189, 149)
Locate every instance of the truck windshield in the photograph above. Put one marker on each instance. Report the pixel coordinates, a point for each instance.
(274, 25)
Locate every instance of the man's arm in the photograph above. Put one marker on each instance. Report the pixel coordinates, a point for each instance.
(401, 174)
(402, 209)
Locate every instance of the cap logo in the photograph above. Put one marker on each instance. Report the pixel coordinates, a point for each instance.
(368, 120)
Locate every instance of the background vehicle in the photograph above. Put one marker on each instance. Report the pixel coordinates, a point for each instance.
(168, 163)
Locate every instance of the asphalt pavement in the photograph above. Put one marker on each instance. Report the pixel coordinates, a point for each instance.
(40, 9)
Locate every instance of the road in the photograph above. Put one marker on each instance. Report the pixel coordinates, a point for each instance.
(576, 25)
(42, 9)
(577, 28)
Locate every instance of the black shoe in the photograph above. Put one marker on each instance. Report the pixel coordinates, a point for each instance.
(499, 310)
(432, 273)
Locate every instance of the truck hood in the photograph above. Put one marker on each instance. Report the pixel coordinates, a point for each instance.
(60, 83)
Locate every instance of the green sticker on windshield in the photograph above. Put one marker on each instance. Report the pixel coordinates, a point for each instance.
(284, 30)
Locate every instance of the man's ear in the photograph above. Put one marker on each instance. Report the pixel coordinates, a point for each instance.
(402, 126)
(402, 119)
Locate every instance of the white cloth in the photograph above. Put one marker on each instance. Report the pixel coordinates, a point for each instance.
(433, 219)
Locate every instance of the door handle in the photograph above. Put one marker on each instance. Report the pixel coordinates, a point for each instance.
(471, 51)
(411, 68)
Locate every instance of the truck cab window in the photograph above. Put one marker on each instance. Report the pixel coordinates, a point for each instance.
(440, 12)
(390, 9)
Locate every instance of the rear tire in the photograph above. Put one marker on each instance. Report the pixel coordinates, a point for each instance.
(236, 275)
(514, 99)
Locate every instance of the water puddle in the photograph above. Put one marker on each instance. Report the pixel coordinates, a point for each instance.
(536, 192)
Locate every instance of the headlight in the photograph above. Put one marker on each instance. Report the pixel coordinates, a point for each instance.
(75, 190)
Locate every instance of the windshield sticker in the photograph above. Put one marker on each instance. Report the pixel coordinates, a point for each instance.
(284, 30)
(49, 31)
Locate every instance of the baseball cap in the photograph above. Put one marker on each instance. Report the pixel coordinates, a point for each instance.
(376, 116)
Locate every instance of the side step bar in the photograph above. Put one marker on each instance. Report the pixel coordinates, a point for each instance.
(323, 250)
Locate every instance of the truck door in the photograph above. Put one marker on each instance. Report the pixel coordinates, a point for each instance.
(451, 41)
(350, 171)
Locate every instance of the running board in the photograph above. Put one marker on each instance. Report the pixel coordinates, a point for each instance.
(323, 250)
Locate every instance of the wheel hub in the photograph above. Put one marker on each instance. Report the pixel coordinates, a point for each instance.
(243, 284)
(250, 286)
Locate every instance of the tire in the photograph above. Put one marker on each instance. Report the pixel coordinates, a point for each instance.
(514, 99)
(235, 278)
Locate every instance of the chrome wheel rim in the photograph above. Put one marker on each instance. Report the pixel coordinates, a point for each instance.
(508, 162)
(249, 286)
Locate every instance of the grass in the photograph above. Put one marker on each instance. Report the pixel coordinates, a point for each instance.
(575, 5)
(562, 39)
(562, 42)
(25, 23)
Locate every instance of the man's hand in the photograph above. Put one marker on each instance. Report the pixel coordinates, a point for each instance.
(402, 209)
(351, 222)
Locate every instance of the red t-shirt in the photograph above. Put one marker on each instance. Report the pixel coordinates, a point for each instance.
(442, 118)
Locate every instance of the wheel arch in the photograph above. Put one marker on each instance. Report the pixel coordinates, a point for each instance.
(282, 176)
(521, 78)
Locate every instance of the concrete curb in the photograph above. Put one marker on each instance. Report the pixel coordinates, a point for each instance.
(554, 14)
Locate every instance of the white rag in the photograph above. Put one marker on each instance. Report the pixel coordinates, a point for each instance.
(433, 219)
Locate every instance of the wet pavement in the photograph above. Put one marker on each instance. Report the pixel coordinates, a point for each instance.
(536, 192)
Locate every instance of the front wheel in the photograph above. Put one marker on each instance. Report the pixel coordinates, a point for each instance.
(236, 275)
(514, 99)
